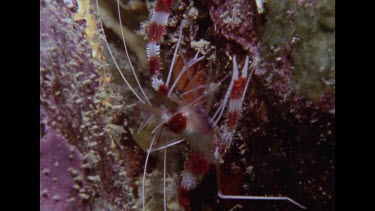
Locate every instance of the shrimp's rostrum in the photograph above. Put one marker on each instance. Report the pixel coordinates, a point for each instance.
(193, 120)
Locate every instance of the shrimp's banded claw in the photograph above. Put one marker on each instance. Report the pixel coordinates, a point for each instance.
(155, 32)
(235, 94)
(196, 167)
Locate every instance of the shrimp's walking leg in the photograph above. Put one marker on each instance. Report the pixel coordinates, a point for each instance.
(145, 168)
(242, 197)
(196, 167)
(164, 177)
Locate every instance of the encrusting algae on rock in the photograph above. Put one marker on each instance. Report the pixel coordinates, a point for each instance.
(77, 107)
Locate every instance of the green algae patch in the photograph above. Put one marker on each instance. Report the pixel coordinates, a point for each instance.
(305, 30)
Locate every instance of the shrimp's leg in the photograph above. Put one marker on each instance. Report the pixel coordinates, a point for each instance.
(164, 177)
(196, 167)
(257, 198)
(145, 168)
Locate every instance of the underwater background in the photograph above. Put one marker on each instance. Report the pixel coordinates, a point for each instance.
(90, 155)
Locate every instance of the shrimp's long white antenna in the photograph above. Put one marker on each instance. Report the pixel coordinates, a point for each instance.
(265, 198)
(217, 112)
(127, 54)
(164, 176)
(244, 72)
(158, 126)
(186, 67)
(224, 103)
(144, 170)
(209, 90)
(143, 125)
(113, 58)
(168, 145)
(175, 55)
(195, 89)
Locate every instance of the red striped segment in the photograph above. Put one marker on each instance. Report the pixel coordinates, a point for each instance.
(155, 32)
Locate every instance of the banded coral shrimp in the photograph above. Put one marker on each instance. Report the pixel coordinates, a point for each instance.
(207, 135)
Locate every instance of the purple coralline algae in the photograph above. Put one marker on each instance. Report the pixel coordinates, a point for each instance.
(61, 177)
(83, 164)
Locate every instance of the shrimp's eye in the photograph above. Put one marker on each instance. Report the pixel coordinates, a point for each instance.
(177, 123)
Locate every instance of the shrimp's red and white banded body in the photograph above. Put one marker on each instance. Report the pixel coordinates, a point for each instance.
(208, 141)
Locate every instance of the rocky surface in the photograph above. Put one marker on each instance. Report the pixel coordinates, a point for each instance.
(78, 108)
